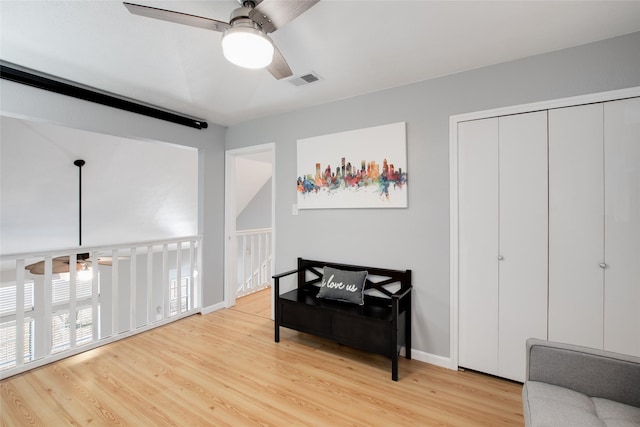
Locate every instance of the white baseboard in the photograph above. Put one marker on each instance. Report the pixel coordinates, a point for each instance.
(443, 362)
(212, 308)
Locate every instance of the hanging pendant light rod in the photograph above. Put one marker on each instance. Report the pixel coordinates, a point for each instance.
(80, 163)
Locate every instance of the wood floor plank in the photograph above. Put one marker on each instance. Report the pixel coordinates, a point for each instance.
(224, 368)
(258, 303)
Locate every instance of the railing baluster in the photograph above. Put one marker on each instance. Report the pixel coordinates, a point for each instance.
(198, 278)
(252, 268)
(73, 294)
(244, 265)
(166, 289)
(192, 267)
(179, 277)
(150, 312)
(46, 319)
(260, 276)
(115, 312)
(19, 312)
(95, 302)
(268, 256)
(132, 288)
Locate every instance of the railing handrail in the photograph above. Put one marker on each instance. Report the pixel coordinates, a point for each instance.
(79, 249)
(253, 231)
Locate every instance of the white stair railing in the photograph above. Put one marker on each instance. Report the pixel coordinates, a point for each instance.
(132, 288)
(254, 260)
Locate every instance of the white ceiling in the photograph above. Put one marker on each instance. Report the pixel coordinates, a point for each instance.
(355, 46)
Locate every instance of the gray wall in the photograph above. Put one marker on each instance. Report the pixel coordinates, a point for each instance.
(418, 237)
(257, 214)
(30, 103)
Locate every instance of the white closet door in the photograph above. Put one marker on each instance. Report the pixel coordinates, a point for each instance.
(576, 222)
(622, 226)
(478, 245)
(523, 238)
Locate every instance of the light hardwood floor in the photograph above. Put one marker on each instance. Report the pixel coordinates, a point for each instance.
(258, 303)
(224, 369)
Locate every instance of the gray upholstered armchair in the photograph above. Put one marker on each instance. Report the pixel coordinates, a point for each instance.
(568, 385)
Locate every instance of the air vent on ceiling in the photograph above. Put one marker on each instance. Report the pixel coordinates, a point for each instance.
(305, 79)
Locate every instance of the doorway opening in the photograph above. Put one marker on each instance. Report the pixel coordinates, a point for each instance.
(249, 223)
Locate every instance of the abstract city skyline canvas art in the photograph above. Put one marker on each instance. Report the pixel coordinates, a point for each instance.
(363, 168)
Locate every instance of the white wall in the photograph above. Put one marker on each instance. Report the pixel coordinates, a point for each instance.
(418, 237)
(251, 174)
(132, 191)
(26, 102)
(257, 213)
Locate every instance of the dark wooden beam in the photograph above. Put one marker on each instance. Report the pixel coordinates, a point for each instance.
(44, 81)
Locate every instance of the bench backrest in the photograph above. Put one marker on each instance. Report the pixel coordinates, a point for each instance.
(385, 281)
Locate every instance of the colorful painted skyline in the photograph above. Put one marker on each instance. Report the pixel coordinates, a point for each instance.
(369, 177)
(362, 168)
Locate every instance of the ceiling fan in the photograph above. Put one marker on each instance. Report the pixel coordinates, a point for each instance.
(61, 264)
(244, 40)
(83, 261)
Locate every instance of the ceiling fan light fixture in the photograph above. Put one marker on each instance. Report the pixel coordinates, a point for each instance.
(248, 47)
(84, 273)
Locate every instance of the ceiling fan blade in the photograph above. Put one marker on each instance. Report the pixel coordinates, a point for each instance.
(108, 260)
(61, 264)
(58, 265)
(177, 17)
(273, 14)
(279, 67)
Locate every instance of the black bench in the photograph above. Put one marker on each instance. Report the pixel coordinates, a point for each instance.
(382, 325)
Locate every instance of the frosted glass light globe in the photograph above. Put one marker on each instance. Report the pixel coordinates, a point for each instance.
(247, 47)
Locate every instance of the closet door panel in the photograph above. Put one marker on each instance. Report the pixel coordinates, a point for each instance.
(523, 238)
(622, 226)
(576, 209)
(478, 245)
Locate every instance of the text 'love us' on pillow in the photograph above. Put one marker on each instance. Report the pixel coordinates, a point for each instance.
(342, 285)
